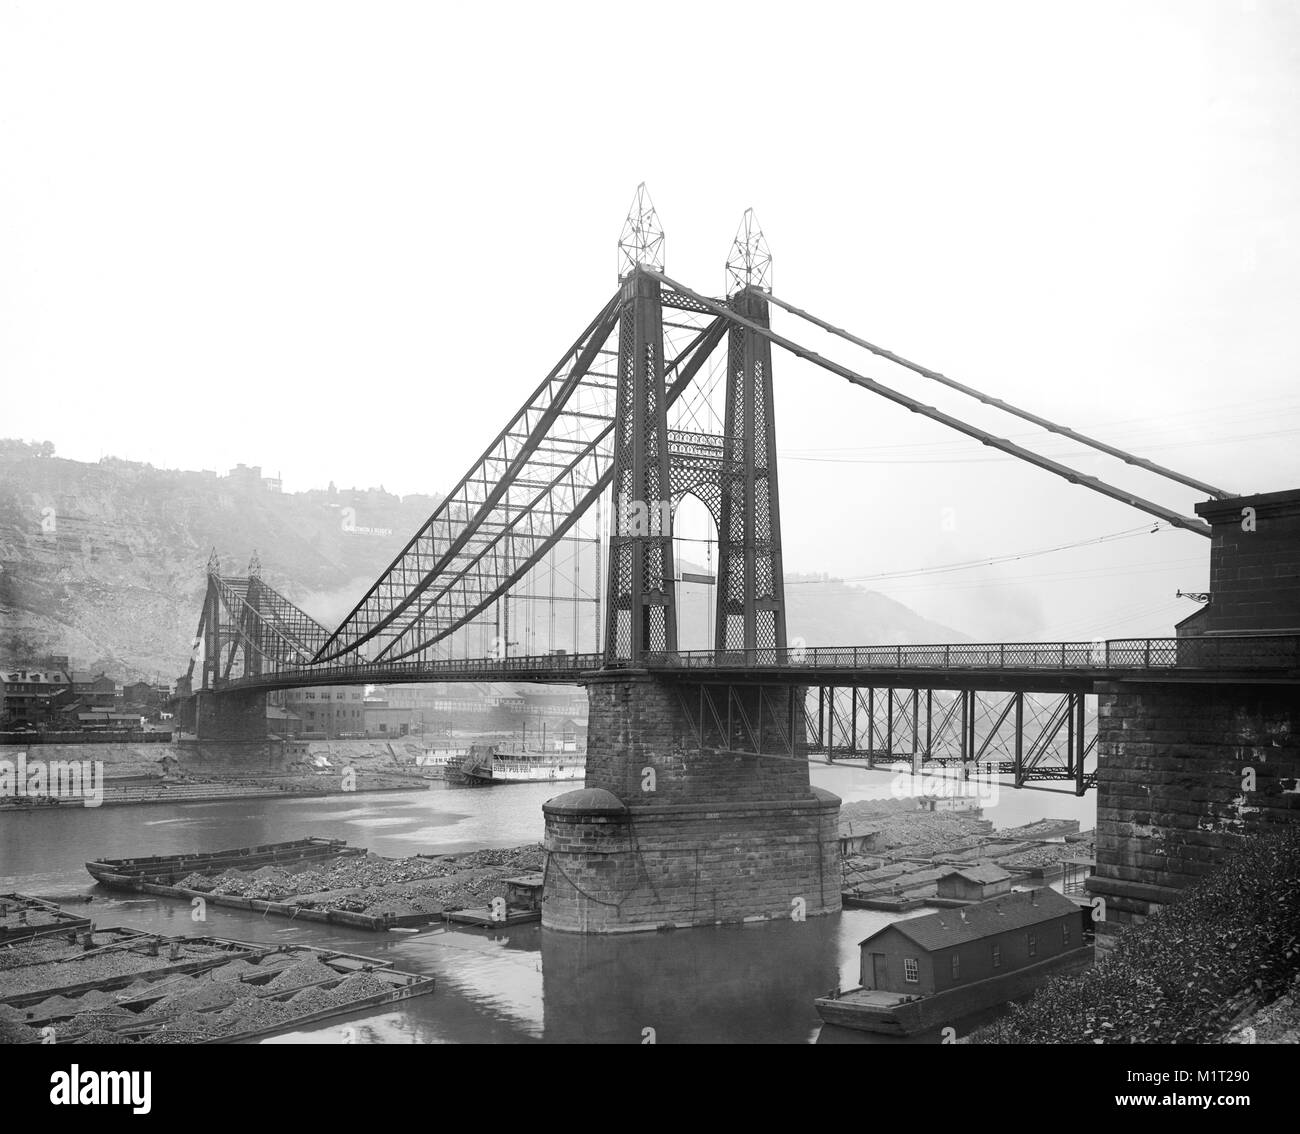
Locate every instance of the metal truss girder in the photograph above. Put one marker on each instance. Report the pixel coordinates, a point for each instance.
(962, 728)
(447, 530)
(442, 614)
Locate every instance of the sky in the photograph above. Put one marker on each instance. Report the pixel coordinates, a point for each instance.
(344, 241)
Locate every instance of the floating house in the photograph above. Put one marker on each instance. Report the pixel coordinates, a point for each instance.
(922, 972)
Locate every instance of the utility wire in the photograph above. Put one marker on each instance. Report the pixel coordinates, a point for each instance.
(967, 564)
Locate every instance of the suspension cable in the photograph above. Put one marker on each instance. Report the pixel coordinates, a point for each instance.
(998, 403)
(1177, 519)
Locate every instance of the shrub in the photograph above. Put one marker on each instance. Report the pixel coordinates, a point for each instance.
(1234, 935)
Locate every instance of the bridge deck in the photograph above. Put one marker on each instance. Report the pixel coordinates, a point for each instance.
(1025, 666)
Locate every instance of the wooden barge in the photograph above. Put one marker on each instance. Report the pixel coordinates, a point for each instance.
(374, 922)
(402, 986)
(133, 1019)
(23, 918)
(123, 873)
(222, 952)
(157, 875)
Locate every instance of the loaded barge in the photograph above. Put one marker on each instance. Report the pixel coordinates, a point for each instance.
(202, 990)
(128, 873)
(158, 875)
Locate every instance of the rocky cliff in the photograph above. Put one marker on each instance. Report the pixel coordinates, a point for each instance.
(106, 562)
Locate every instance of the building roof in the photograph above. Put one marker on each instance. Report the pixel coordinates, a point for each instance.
(36, 676)
(857, 828)
(982, 873)
(1021, 909)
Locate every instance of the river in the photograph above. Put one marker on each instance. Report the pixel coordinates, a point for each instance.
(751, 984)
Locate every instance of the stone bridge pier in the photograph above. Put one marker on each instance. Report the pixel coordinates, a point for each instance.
(664, 835)
(1187, 772)
(230, 716)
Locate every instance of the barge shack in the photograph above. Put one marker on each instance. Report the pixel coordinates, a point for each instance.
(929, 971)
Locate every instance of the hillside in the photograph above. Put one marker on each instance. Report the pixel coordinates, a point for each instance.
(105, 562)
(822, 611)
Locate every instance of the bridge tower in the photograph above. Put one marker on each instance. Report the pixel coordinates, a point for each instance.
(236, 715)
(751, 589)
(667, 832)
(641, 616)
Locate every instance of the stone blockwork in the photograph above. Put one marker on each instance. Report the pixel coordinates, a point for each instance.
(1254, 564)
(231, 716)
(664, 835)
(637, 722)
(1173, 790)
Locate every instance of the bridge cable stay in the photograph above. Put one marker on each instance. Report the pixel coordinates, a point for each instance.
(464, 509)
(1007, 407)
(437, 617)
(1177, 519)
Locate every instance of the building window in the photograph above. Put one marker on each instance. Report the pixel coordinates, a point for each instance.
(956, 967)
(997, 956)
(911, 970)
(1065, 935)
(1033, 944)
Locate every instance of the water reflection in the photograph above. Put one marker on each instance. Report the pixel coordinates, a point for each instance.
(726, 984)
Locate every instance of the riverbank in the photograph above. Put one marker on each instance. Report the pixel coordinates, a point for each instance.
(198, 771)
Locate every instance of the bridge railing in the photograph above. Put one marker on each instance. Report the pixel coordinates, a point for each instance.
(1235, 652)
(1239, 652)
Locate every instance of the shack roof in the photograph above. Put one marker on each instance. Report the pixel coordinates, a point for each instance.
(982, 873)
(1021, 909)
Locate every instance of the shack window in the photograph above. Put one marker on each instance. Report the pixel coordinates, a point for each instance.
(1065, 934)
(1033, 944)
(911, 970)
(997, 956)
(956, 967)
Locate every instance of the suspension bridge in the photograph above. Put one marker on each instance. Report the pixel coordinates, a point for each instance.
(667, 393)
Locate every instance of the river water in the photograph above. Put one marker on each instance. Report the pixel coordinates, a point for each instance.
(751, 984)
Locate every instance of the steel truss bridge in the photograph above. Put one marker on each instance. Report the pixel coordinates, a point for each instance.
(667, 393)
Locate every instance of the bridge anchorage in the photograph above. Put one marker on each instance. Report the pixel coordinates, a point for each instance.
(697, 806)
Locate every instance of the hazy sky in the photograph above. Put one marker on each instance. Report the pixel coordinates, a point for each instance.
(344, 241)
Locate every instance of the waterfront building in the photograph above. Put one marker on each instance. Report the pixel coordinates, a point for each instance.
(943, 951)
(974, 883)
